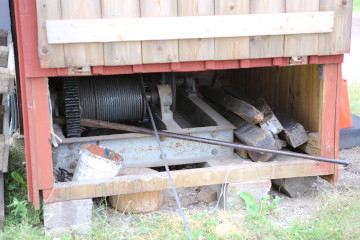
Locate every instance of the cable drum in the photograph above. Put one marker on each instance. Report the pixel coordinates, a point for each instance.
(112, 98)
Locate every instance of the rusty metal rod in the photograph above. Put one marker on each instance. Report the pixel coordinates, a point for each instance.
(128, 128)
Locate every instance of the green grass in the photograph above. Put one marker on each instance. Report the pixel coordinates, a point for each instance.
(354, 97)
(338, 218)
(357, 5)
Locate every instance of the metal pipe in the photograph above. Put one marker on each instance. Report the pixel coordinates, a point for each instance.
(128, 128)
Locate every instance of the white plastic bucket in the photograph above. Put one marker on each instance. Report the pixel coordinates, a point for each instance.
(97, 162)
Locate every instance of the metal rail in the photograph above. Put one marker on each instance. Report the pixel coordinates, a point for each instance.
(134, 129)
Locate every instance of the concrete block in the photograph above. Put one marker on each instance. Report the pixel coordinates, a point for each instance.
(68, 216)
(233, 201)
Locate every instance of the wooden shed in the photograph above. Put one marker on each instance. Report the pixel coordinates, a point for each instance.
(288, 51)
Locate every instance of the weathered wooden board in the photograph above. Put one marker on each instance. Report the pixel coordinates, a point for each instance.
(270, 122)
(187, 27)
(253, 136)
(159, 51)
(267, 46)
(51, 56)
(325, 39)
(121, 53)
(114, 32)
(312, 147)
(342, 30)
(305, 44)
(294, 133)
(281, 167)
(237, 106)
(82, 54)
(337, 42)
(196, 49)
(234, 47)
(294, 187)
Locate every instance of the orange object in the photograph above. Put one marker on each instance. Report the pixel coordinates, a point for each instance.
(345, 112)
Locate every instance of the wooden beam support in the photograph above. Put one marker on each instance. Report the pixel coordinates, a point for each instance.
(237, 106)
(167, 28)
(294, 133)
(281, 167)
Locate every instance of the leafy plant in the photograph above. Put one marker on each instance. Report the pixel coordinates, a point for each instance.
(18, 178)
(255, 210)
(20, 209)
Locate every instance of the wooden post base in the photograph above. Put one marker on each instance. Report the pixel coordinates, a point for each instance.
(137, 202)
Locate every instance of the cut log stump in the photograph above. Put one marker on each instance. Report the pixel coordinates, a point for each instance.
(294, 133)
(294, 187)
(137, 202)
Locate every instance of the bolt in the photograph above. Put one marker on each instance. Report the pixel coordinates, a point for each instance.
(232, 7)
(214, 134)
(214, 151)
(71, 146)
(162, 157)
(73, 165)
(162, 138)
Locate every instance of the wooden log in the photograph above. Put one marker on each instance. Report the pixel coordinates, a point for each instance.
(137, 202)
(4, 53)
(294, 187)
(239, 107)
(251, 135)
(294, 133)
(241, 152)
(312, 147)
(270, 122)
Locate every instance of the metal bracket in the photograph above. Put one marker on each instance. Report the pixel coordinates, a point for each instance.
(79, 70)
(297, 61)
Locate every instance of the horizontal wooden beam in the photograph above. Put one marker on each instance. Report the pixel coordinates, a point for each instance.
(166, 28)
(279, 167)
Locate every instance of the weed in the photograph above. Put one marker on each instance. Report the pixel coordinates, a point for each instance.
(261, 210)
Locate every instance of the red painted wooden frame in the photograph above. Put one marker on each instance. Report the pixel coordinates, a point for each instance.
(34, 94)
